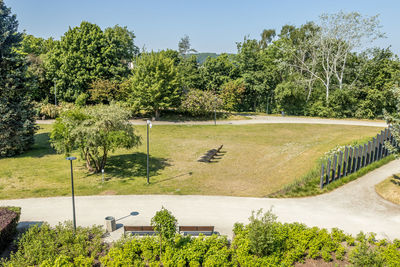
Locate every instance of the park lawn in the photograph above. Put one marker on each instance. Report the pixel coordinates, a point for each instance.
(389, 189)
(256, 160)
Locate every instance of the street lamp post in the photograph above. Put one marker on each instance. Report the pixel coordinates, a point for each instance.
(55, 93)
(215, 111)
(149, 125)
(73, 196)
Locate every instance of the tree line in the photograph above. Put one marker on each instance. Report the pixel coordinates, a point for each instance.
(317, 69)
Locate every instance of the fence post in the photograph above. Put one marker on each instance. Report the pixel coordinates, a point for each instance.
(334, 167)
(385, 139)
(328, 171)
(374, 149)
(359, 158)
(353, 169)
(321, 184)
(340, 163)
(350, 160)
(379, 146)
(364, 155)
(346, 153)
(369, 152)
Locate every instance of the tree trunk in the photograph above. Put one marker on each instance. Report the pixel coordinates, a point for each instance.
(157, 111)
(88, 163)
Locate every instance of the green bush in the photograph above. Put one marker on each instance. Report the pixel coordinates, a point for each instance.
(200, 103)
(51, 246)
(363, 255)
(264, 233)
(81, 100)
(288, 244)
(45, 110)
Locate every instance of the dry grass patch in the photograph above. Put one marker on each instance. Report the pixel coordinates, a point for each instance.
(389, 189)
(256, 160)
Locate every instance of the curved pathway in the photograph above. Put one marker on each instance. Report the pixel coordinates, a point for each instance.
(353, 207)
(260, 120)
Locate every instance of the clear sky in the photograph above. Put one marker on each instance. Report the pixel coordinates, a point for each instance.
(213, 26)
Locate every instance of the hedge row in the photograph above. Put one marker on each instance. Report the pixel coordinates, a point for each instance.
(9, 217)
(263, 242)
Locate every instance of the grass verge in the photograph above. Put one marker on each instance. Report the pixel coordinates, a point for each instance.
(389, 189)
(309, 185)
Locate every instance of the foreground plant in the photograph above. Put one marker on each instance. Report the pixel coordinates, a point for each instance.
(164, 224)
(47, 246)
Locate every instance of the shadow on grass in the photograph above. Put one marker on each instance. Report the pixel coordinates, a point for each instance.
(134, 165)
(173, 177)
(217, 157)
(396, 180)
(41, 147)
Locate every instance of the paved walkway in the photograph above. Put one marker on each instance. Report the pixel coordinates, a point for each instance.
(259, 120)
(353, 207)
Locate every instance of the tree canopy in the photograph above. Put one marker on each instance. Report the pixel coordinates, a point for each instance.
(155, 83)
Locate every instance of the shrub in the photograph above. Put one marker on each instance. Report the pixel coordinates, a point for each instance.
(200, 103)
(103, 91)
(52, 246)
(264, 233)
(47, 110)
(81, 100)
(232, 94)
(290, 97)
(9, 217)
(363, 255)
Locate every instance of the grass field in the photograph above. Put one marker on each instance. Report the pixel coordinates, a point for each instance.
(256, 160)
(389, 189)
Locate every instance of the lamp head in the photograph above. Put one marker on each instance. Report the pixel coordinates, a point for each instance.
(71, 158)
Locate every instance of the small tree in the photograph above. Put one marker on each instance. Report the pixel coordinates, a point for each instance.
(184, 46)
(263, 233)
(164, 224)
(95, 131)
(155, 83)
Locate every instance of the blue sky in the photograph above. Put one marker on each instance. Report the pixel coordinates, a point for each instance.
(213, 26)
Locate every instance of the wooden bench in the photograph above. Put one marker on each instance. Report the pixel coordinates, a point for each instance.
(140, 230)
(196, 230)
(210, 154)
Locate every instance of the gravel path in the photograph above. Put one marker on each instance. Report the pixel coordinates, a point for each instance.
(259, 120)
(353, 207)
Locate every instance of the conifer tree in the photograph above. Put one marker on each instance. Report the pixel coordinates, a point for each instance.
(17, 124)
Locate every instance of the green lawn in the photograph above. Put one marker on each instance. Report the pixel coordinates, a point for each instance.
(256, 160)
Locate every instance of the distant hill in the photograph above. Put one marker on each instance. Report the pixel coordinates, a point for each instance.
(201, 57)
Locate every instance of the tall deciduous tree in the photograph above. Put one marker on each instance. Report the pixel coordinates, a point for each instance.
(217, 71)
(17, 124)
(85, 54)
(155, 83)
(184, 46)
(324, 55)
